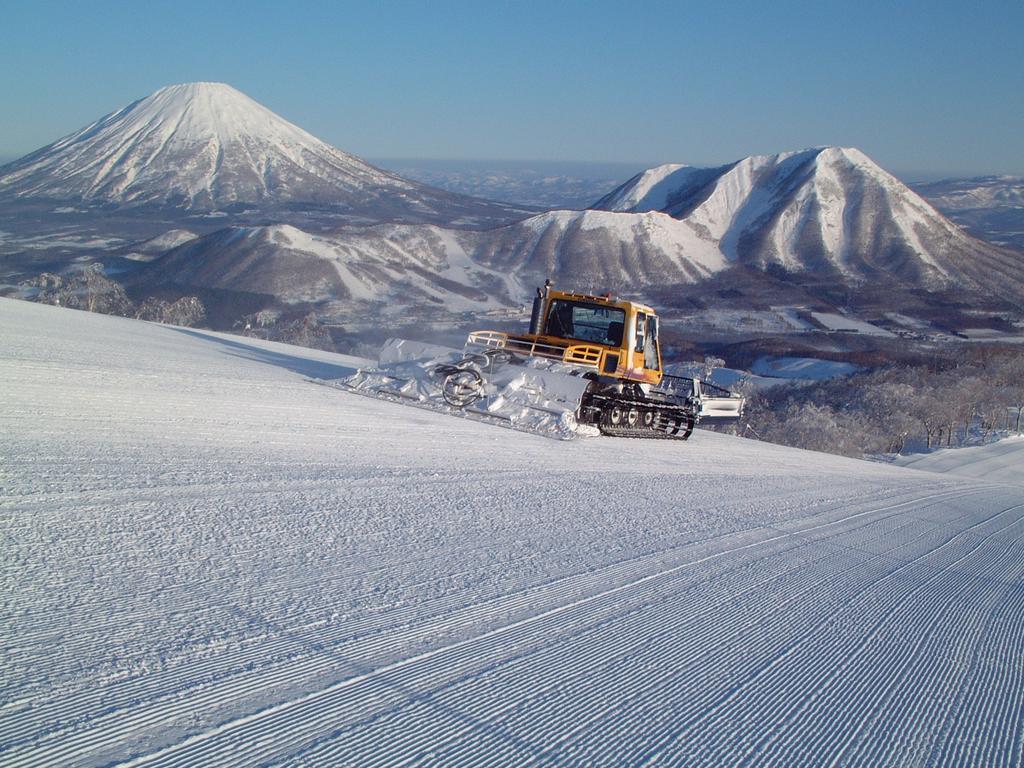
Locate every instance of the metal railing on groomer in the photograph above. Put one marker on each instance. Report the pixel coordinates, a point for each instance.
(586, 355)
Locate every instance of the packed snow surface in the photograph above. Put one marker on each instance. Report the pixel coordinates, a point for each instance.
(208, 560)
(1000, 462)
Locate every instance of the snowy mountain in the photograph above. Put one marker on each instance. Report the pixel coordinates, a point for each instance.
(827, 210)
(206, 146)
(209, 560)
(602, 250)
(401, 264)
(989, 207)
(408, 265)
(825, 216)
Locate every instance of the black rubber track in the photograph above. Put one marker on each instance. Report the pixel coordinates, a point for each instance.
(671, 422)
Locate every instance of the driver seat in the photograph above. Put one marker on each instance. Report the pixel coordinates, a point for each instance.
(615, 333)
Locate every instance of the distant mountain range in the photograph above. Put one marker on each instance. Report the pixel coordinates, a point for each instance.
(825, 213)
(205, 158)
(989, 207)
(402, 265)
(465, 270)
(546, 184)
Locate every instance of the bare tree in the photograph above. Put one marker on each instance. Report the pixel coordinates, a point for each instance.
(305, 332)
(1009, 385)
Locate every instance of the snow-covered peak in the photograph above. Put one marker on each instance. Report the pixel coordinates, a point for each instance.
(606, 250)
(824, 207)
(194, 145)
(665, 187)
(201, 113)
(648, 190)
(203, 146)
(188, 90)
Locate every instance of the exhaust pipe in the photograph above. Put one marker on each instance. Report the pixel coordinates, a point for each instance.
(538, 307)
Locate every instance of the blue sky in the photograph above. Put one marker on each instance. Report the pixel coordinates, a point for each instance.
(923, 87)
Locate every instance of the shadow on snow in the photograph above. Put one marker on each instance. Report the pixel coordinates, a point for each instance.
(313, 369)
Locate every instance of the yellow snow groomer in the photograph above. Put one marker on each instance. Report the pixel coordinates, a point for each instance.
(587, 365)
(612, 344)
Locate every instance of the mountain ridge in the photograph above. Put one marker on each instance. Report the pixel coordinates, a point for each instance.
(825, 208)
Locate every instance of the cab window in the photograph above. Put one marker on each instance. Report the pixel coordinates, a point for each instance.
(581, 321)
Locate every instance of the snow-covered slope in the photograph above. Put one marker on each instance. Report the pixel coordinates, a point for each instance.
(396, 264)
(829, 215)
(210, 561)
(202, 146)
(602, 249)
(1000, 462)
(656, 188)
(457, 269)
(822, 210)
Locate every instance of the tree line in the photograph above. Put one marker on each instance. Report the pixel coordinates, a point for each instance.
(898, 407)
(90, 289)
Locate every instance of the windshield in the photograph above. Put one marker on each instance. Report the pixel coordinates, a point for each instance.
(585, 322)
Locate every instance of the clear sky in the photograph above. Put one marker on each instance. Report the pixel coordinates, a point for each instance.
(927, 87)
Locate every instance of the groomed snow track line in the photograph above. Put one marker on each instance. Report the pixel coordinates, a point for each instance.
(302, 721)
(453, 614)
(209, 561)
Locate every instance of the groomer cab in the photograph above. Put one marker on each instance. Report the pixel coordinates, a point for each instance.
(611, 337)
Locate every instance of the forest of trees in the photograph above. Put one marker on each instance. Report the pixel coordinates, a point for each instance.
(305, 330)
(90, 289)
(897, 408)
